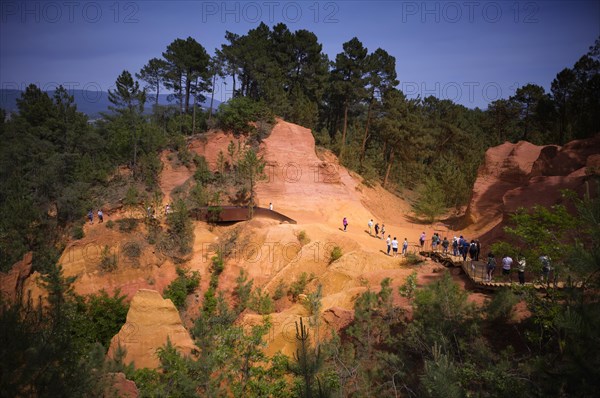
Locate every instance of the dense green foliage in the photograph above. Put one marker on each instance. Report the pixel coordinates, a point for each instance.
(56, 165)
(449, 347)
(238, 114)
(181, 287)
(58, 351)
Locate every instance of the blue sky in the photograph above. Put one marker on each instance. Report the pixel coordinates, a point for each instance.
(472, 52)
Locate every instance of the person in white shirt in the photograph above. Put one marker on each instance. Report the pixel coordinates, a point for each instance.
(370, 224)
(395, 246)
(388, 242)
(506, 264)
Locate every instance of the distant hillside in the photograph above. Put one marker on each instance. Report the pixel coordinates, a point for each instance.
(92, 103)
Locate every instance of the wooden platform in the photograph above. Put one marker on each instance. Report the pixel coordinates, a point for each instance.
(476, 272)
(223, 214)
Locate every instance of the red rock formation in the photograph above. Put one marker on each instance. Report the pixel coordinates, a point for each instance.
(11, 283)
(151, 320)
(524, 175)
(338, 318)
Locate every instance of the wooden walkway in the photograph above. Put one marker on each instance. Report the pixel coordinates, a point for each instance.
(239, 213)
(476, 272)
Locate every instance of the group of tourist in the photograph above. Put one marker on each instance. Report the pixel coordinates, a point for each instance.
(460, 247)
(507, 265)
(391, 243)
(377, 228)
(151, 213)
(91, 216)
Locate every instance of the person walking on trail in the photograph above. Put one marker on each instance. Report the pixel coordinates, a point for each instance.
(545, 260)
(100, 216)
(422, 239)
(405, 247)
(395, 246)
(377, 230)
(91, 216)
(370, 224)
(382, 230)
(472, 250)
(270, 206)
(506, 265)
(491, 266)
(388, 242)
(345, 223)
(465, 249)
(478, 249)
(455, 246)
(434, 242)
(521, 263)
(445, 244)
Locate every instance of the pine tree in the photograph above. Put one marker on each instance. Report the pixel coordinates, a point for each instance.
(154, 73)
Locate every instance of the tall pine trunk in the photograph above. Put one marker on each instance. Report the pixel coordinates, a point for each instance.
(157, 92)
(233, 92)
(366, 136)
(344, 128)
(212, 97)
(389, 168)
(181, 94)
(188, 86)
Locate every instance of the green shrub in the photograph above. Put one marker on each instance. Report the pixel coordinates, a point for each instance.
(501, 307)
(218, 265)
(335, 254)
(183, 153)
(127, 224)
(131, 197)
(150, 167)
(261, 302)
(409, 287)
(132, 249)
(110, 224)
(298, 286)
(242, 291)
(203, 174)
(154, 234)
(77, 232)
(209, 306)
(303, 237)
(414, 259)
(181, 287)
(108, 260)
(198, 196)
(313, 301)
(280, 290)
(214, 281)
(181, 228)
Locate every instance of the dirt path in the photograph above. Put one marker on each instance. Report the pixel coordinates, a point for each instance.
(172, 176)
